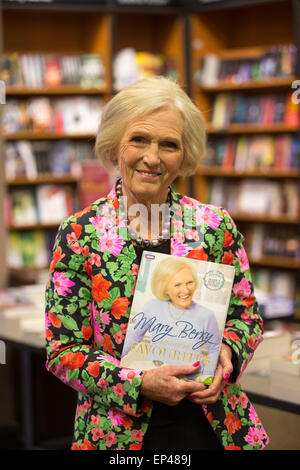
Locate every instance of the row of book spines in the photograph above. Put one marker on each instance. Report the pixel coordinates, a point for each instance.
(30, 249)
(32, 159)
(50, 70)
(69, 115)
(276, 152)
(277, 61)
(229, 108)
(271, 241)
(46, 204)
(258, 197)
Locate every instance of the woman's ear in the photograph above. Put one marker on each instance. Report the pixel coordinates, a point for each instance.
(113, 157)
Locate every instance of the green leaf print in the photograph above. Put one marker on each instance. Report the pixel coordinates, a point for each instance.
(68, 322)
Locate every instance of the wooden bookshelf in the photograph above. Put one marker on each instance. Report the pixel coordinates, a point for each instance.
(217, 171)
(48, 178)
(47, 135)
(14, 90)
(239, 32)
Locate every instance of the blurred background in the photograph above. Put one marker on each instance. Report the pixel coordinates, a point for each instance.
(61, 61)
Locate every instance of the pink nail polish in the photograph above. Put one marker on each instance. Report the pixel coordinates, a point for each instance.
(190, 397)
(226, 377)
(196, 364)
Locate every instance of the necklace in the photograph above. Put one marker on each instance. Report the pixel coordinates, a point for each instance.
(165, 233)
(173, 316)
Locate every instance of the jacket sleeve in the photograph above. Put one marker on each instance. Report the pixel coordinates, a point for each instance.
(71, 352)
(244, 326)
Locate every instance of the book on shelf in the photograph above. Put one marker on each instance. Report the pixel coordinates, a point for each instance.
(95, 182)
(257, 197)
(33, 158)
(178, 314)
(30, 249)
(75, 115)
(53, 70)
(279, 241)
(265, 63)
(24, 211)
(46, 204)
(54, 203)
(276, 293)
(130, 65)
(262, 151)
(267, 109)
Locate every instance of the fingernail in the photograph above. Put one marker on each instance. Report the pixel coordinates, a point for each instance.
(190, 397)
(196, 364)
(226, 377)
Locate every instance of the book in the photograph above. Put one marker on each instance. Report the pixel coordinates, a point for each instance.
(178, 314)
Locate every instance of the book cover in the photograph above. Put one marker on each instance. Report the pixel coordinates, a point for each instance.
(178, 314)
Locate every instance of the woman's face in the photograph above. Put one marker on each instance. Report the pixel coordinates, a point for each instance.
(181, 288)
(150, 155)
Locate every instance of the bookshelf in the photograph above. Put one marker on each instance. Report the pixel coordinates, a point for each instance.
(215, 33)
(188, 30)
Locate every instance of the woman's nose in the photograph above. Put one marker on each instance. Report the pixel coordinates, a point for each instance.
(151, 155)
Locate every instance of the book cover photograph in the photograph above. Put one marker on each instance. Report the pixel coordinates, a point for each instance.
(178, 314)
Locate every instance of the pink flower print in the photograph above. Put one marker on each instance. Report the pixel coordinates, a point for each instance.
(178, 248)
(242, 289)
(71, 237)
(97, 434)
(255, 436)
(116, 416)
(119, 337)
(85, 251)
(177, 224)
(111, 242)
(128, 374)
(95, 259)
(135, 269)
(55, 345)
(192, 234)
(187, 201)
(113, 360)
(137, 435)
(206, 216)
(118, 390)
(62, 283)
(110, 439)
(79, 387)
(242, 258)
(105, 318)
(178, 236)
(243, 400)
(233, 401)
(253, 416)
(100, 223)
(95, 420)
(102, 383)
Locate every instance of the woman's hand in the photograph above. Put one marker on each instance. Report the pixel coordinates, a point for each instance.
(165, 384)
(222, 374)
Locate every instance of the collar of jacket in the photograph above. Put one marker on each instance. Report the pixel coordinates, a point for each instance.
(185, 233)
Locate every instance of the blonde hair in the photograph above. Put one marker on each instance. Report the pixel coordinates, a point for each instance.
(140, 99)
(163, 273)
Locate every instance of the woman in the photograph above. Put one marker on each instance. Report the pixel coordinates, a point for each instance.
(151, 133)
(166, 318)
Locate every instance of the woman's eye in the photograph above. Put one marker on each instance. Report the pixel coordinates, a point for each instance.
(138, 139)
(170, 145)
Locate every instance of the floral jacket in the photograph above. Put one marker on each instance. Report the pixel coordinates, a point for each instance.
(88, 298)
